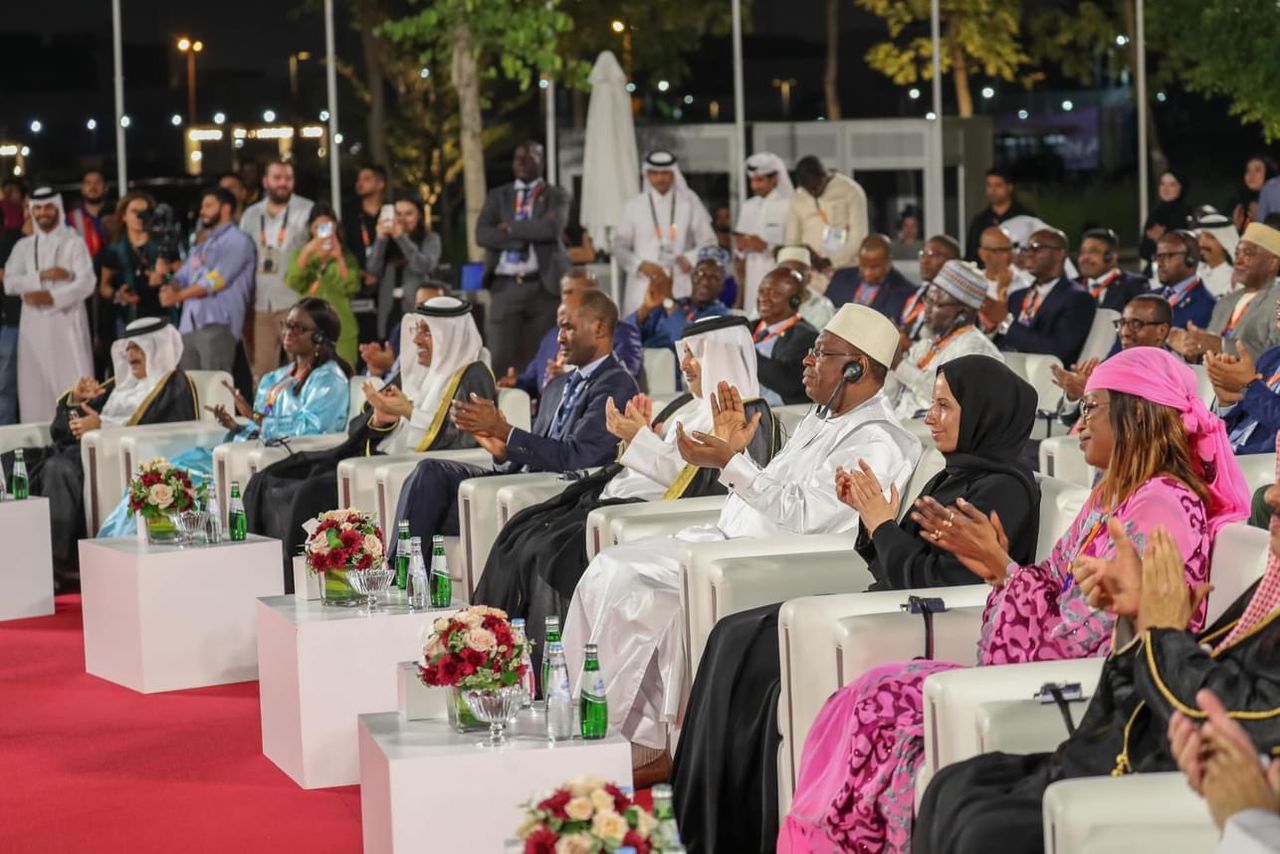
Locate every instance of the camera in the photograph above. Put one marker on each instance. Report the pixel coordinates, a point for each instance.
(164, 229)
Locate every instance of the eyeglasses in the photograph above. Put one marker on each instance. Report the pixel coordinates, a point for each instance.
(1090, 408)
(817, 354)
(934, 302)
(1037, 247)
(295, 328)
(1169, 256)
(1135, 325)
(933, 253)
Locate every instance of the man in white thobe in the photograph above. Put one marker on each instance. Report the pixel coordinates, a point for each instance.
(628, 602)
(52, 271)
(661, 230)
(761, 222)
(951, 303)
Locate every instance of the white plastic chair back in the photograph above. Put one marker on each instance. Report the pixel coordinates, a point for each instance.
(929, 464)
(515, 405)
(1061, 457)
(356, 402)
(659, 370)
(1036, 368)
(1060, 503)
(1205, 387)
(210, 391)
(790, 416)
(1259, 469)
(1102, 335)
(1239, 559)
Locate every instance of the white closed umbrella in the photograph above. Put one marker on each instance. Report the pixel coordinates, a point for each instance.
(610, 163)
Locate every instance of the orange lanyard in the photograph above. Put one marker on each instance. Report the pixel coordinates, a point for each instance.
(276, 390)
(262, 229)
(671, 228)
(937, 345)
(1092, 535)
(821, 212)
(762, 327)
(531, 194)
(913, 310)
(1029, 311)
(1101, 287)
(1240, 309)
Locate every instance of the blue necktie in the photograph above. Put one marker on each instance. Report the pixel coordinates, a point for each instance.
(572, 389)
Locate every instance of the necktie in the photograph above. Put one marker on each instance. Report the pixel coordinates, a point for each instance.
(567, 401)
(519, 256)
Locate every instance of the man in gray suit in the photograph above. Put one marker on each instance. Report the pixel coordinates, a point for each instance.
(521, 228)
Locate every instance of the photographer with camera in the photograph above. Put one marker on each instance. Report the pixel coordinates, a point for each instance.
(134, 265)
(214, 287)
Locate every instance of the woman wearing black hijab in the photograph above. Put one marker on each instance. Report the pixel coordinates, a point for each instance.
(1171, 214)
(725, 771)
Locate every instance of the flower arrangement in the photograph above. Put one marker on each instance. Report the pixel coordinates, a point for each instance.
(160, 490)
(474, 649)
(344, 539)
(585, 816)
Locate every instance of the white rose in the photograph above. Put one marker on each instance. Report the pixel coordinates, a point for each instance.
(609, 825)
(579, 809)
(471, 619)
(434, 648)
(584, 785)
(441, 624)
(602, 801)
(372, 545)
(531, 822)
(481, 640)
(645, 823)
(575, 843)
(161, 495)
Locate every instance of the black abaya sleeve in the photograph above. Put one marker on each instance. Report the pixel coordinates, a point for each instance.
(174, 401)
(904, 560)
(477, 380)
(60, 427)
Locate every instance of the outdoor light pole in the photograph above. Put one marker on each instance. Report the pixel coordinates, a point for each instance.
(1141, 72)
(331, 78)
(122, 172)
(934, 189)
(739, 105)
(190, 47)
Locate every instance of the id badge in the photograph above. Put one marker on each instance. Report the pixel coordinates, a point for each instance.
(666, 257)
(269, 260)
(833, 238)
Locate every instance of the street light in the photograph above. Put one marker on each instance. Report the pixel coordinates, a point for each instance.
(219, 118)
(784, 91)
(268, 115)
(618, 26)
(190, 47)
(92, 124)
(36, 126)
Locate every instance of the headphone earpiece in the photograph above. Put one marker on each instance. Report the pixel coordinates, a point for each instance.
(794, 302)
(853, 372)
(317, 338)
(1108, 256)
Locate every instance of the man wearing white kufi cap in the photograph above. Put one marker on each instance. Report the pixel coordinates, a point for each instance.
(951, 304)
(52, 271)
(762, 221)
(639, 582)
(661, 230)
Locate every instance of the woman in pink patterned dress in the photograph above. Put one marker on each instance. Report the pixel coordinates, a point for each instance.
(1167, 462)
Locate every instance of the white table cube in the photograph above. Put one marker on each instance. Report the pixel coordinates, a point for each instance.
(319, 668)
(425, 787)
(164, 618)
(27, 573)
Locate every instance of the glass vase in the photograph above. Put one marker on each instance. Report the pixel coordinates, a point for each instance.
(161, 530)
(461, 718)
(336, 590)
(495, 707)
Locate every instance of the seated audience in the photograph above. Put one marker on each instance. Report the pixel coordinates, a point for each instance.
(816, 309)
(410, 413)
(937, 251)
(852, 425)
(1166, 466)
(1051, 317)
(875, 282)
(951, 307)
(569, 433)
(146, 388)
(1100, 273)
(996, 251)
(548, 363)
(540, 555)
(725, 770)
(661, 318)
(1162, 660)
(1248, 396)
(1176, 259)
(383, 359)
(1218, 239)
(782, 337)
(306, 396)
(1247, 313)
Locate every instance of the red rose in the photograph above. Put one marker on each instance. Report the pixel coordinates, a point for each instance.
(365, 561)
(620, 801)
(636, 841)
(556, 804)
(150, 479)
(468, 669)
(541, 841)
(473, 656)
(349, 538)
(448, 669)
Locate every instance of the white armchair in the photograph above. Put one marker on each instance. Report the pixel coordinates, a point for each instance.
(1120, 815)
(1037, 369)
(659, 370)
(237, 462)
(1259, 469)
(13, 436)
(1061, 457)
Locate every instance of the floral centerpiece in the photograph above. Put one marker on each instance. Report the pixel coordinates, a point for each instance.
(584, 816)
(477, 654)
(160, 491)
(339, 543)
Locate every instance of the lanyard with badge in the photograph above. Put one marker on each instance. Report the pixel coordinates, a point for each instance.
(832, 238)
(666, 248)
(268, 251)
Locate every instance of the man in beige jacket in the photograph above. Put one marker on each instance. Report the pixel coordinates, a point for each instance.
(829, 215)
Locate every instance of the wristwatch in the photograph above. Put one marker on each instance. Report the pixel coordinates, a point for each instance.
(668, 304)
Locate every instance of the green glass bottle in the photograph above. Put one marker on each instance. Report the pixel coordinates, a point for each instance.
(593, 707)
(21, 485)
(441, 583)
(237, 521)
(550, 636)
(666, 835)
(404, 554)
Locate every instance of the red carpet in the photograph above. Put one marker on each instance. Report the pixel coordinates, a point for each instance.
(89, 766)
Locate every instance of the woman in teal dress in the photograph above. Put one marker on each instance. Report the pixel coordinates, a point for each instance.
(324, 268)
(307, 396)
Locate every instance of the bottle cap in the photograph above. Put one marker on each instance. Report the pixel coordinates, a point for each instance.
(415, 541)
(235, 484)
(437, 538)
(555, 647)
(591, 650)
(553, 620)
(517, 622)
(661, 790)
(403, 525)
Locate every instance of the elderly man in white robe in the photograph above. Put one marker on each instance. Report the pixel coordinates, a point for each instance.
(628, 602)
(661, 231)
(951, 305)
(761, 222)
(52, 271)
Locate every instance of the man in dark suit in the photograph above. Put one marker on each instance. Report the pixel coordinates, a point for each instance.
(521, 228)
(1100, 273)
(875, 282)
(1001, 206)
(1053, 316)
(1177, 260)
(782, 337)
(568, 435)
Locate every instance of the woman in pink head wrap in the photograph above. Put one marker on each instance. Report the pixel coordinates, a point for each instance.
(1165, 461)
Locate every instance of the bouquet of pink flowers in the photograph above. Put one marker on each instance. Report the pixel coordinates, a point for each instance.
(475, 649)
(344, 539)
(159, 490)
(585, 816)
